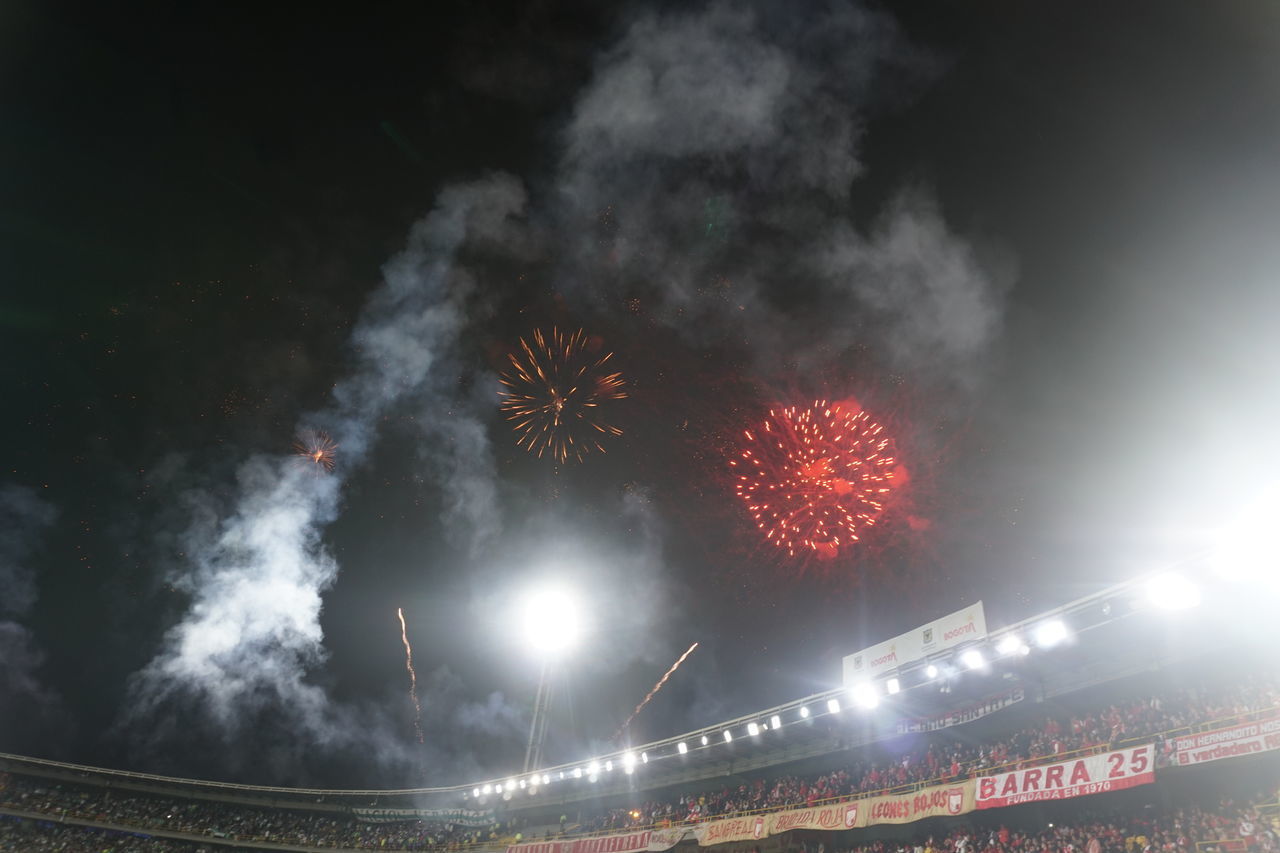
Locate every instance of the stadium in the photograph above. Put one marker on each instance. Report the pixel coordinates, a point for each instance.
(555, 426)
(1130, 719)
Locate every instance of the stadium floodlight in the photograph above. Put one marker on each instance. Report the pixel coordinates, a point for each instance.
(1050, 633)
(775, 722)
(931, 671)
(705, 740)
(608, 766)
(561, 774)
(1172, 591)
(488, 789)
(523, 783)
(1246, 550)
(511, 784)
(833, 705)
(644, 758)
(593, 768)
(629, 760)
(475, 792)
(577, 772)
(973, 659)
(728, 736)
(682, 747)
(753, 729)
(893, 686)
(1009, 644)
(550, 621)
(804, 712)
(546, 778)
(864, 695)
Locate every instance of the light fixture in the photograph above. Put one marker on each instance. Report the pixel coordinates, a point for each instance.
(1172, 591)
(753, 729)
(833, 705)
(728, 736)
(475, 792)
(930, 671)
(682, 747)
(705, 740)
(973, 659)
(1008, 644)
(864, 695)
(577, 772)
(644, 757)
(775, 722)
(488, 789)
(892, 686)
(804, 712)
(1050, 633)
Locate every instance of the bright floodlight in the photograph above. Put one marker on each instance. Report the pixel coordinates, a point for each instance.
(629, 760)
(893, 686)
(1172, 591)
(775, 722)
(475, 792)
(1009, 644)
(973, 659)
(864, 695)
(551, 621)
(930, 671)
(577, 772)
(1051, 633)
(728, 736)
(833, 705)
(753, 729)
(1247, 549)
(682, 747)
(488, 789)
(804, 713)
(705, 740)
(644, 757)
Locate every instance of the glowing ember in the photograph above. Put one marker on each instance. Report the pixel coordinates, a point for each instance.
(413, 676)
(317, 448)
(553, 392)
(815, 477)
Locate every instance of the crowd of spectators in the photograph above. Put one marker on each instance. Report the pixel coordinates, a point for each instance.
(948, 759)
(938, 757)
(31, 836)
(1225, 828)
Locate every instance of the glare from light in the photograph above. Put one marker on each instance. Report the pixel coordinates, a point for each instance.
(864, 695)
(1050, 633)
(930, 671)
(594, 778)
(1024, 649)
(550, 621)
(629, 759)
(1247, 549)
(775, 722)
(608, 766)
(629, 770)
(561, 774)
(488, 789)
(753, 729)
(973, 659)
(577, 772)
(1172, 591)
(833, 705)
(728, 736)
(682, 747)
(893, 686)
(1009, 644)
(475, 792)
(546, 778)
(523, 783)
(804, 712)
(593, 768)
(511, 784)
(705, 740)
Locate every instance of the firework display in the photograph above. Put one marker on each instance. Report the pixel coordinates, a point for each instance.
(413, 676)
(318, 448)
(815, 477)
(654, 691)
(553, 391)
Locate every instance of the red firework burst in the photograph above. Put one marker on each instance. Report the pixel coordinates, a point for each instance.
(317, 447)
(815, 477)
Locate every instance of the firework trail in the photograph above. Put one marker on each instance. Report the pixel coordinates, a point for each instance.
(553, 391)
(318, 448)
(413, 676)
(654, 691)
(814, 478)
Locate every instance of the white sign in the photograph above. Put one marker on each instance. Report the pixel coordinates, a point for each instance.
(1241, 739)
(940, 634)
(1096, 774)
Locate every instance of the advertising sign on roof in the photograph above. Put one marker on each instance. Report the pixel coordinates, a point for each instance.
(951, 630)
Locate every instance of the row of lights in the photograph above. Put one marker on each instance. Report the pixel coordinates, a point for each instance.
(1168, 591)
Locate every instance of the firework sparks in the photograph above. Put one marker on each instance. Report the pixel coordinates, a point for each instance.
(318, 448)
(815, 477)
(654, 691)
(552, 394)
(413, 676)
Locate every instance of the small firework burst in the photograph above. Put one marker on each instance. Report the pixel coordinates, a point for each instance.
(553, 392)
(317, 448)
(814, 478)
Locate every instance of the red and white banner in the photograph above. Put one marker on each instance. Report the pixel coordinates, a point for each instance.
(1094, 774)
(665, 839)
(1241, 739)
(935, 801)
(630, 842)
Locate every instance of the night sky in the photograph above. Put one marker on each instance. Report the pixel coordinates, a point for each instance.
(1036, 241)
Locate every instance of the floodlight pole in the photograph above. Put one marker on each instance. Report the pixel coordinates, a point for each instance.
(538, 730)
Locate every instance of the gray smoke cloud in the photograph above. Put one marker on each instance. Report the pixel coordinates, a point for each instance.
(25, 518)
(256, 564)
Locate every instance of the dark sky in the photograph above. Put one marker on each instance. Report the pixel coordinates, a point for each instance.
(1036, 240)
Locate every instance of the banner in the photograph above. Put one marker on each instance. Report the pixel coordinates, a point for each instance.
(457, 817)
(934, 801)
(749, 828)
(665, 839)
(1095, 774)
(629, 842)
(951, 630)
(847, 814)
(967, 714)
(1241, 739)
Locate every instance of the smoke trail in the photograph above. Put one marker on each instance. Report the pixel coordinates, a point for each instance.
(654, 691)
(413, 676)
(257, 563)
